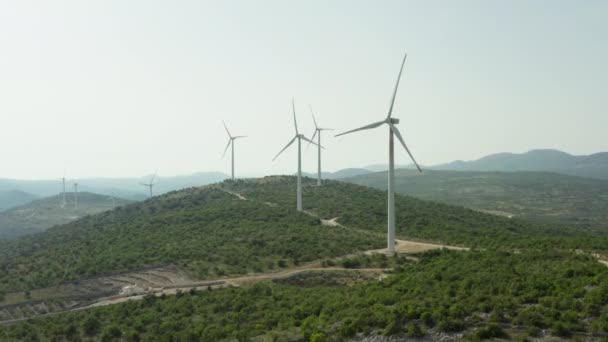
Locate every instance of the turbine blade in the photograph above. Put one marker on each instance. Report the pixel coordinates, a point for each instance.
(226, 149)
(295, 122)
(284, 148)
(313, 138)
(370, 126)
(312, 142)
(390, 110)
(226, 127)
(313, 117)
(398, 134)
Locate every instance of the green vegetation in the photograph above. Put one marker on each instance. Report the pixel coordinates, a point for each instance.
(445, 292)
(536, 196)
(517, 273)
(41, 214)
(365, 208)
(205, 231)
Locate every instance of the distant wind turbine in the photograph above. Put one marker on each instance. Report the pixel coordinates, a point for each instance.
(150, 184)
(393, 131)
(63, 201)
(318, 131)
(75, 195)
(298, 137)
(231, 140)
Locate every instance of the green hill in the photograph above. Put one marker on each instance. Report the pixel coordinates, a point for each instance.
(41, 214)
(538, 196)
(591, 166)
(209, 232)
(523, 278)
(14, 198)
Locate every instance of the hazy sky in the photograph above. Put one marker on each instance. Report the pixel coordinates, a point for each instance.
(121, 88)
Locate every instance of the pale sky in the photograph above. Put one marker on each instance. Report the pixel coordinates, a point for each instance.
(122, 88)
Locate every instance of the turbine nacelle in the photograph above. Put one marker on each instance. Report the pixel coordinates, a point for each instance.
(393, 121)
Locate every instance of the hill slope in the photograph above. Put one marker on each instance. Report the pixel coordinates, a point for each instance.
(14, 198)
(44, 213)
(539, 196)
(251, 225)
(591, 166)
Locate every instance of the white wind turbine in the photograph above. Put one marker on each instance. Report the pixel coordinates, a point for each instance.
(150, 184)
(318, 131)
(393, 131)
(63, 201)
(231, 140)
(75, 195)
(299, 137)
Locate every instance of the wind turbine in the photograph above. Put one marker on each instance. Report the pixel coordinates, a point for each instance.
(393, 131)
(318, 131)
(298, 137)
(63, 202)
(75, 195)
(150, 184)
(231, 140)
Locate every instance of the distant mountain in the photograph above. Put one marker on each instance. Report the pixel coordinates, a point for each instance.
(44, 213)
(538, 196)
(384, 167)
(129, 188)
(591, 166)
(14, 198)
(344, 173)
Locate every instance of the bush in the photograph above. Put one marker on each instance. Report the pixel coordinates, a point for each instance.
(414, 330)
(491, 331)
(451, 325)
(91, 325)
(559, 329)
(318, 337)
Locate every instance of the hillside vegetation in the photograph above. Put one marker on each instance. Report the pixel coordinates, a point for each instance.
(205, 231)
(41, 214)
(523, 278)
(365, 208)
(538, 196)
(446, 292)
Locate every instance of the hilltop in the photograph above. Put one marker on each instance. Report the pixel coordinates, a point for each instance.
(591, 166)
(14, 198)
(538, 196)
(41, 214)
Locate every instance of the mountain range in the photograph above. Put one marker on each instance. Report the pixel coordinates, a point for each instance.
(129, 188)
(590, 166)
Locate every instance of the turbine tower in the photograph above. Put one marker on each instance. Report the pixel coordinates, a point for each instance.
(75, 195)
(298, 137)
(318, 131)
(63, 201)
(393, 131)
(231, 140)
(150, 184)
